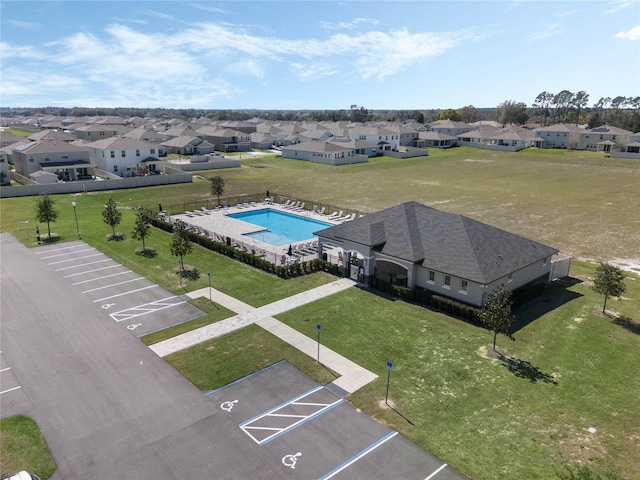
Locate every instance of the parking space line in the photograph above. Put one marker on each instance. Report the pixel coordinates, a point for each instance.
(100, 278)
(125, 293)
(114, 285)
(10, 390)
(358, 456)
(126, 316)
(91, 271)
(5, 369)
(68, 253)
(278, 431)
(82, 265)
(40, 252)
(436, 472)
(76, 258)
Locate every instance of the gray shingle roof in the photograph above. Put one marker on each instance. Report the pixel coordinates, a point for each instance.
(441, 241)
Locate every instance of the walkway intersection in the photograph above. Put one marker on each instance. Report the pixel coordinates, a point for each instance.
(352, 376)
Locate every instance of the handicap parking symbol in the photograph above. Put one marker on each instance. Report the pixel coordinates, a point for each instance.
(227, 406)
(290, 460)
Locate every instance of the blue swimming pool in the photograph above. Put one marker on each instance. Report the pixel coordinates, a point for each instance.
(282, 228)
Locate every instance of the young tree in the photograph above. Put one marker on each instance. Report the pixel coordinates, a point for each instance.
(580, 101)
(217, 187)
(111, 216)
(180, 244)
(141, 228)
(448, 114)
(45, 211)
(469, 114)
(496, 313)
(608, 281)
(512, 112)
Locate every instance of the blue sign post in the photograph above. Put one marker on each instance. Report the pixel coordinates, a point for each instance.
(318, 329)
(389, 367)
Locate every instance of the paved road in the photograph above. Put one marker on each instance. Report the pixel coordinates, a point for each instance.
(109, 407)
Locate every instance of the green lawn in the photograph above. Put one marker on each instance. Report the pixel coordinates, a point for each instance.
(573, 368)
(23, 448)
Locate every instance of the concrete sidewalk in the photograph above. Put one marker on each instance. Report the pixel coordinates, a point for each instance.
(352, 376)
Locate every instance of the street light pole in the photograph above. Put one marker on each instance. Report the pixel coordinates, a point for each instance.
(73, 204)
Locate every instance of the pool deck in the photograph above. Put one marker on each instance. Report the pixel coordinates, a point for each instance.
(219, 225)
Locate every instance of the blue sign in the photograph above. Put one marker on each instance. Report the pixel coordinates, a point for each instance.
(318, 327)
(389, 365)
(209, 274)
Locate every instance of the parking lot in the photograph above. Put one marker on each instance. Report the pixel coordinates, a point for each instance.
(125, 297)
(304, 430)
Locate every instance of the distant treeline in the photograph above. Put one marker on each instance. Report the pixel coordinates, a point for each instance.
(546, 109)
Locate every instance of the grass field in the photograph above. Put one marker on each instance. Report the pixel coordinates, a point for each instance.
(23, 448)
(572, 368)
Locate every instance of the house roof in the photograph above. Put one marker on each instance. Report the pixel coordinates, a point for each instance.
(561, 128)
(48, 146)
(120, 143)
(318, 147)
(441, 241)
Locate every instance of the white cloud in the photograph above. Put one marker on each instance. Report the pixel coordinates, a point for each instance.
(313, 70)
(249, 67)
(618, 5)
(631, 34)
(19, 51)
(349, 25)
(565, 13)
(548, 30)
(27, 25)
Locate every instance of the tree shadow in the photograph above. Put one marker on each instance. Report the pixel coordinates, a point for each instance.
(627, 323)
(523, 369)
(118, 237)
(191, 275)
(555, 295)
(48, 239)
(147, 252)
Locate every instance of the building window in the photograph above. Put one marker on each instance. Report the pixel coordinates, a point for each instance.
(447, 281)
(123, 154)
(113, 154)
(510, 278)
(115, 169)
(65, 156)
(31, 158)
(137, 153)
(463, 286)
(46, 159)
(432, 276)
(153, 151)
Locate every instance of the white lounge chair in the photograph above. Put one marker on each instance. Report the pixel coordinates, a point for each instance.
(286, 205)
(321, 212)
(338, 216)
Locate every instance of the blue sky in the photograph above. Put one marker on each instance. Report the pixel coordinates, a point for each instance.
(314, 54)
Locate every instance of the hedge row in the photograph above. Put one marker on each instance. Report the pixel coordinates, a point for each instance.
(282, 271)
(448, 305)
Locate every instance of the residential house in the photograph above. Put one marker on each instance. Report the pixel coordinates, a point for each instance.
(417, 246)
(52, 135)
(96, 131)
(125, 157)
(450, 127)
(69, 162)
(436, 139)
(632, 150)
(323, 152)
(185, 145)
(512, 139)
(226, 139)
(8, 138)
(603, 139)
(481, 135)
(384, 138)
(359, 147)
(560, 135)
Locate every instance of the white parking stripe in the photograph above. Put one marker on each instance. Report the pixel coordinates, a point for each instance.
(40, 252)
(125, 293)
(114, 285)
(436, 472)
(74, 259)
(94, 270)
(82, 265)
(10, 390)
(5, 369)
(101, 278)
(68, 253)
